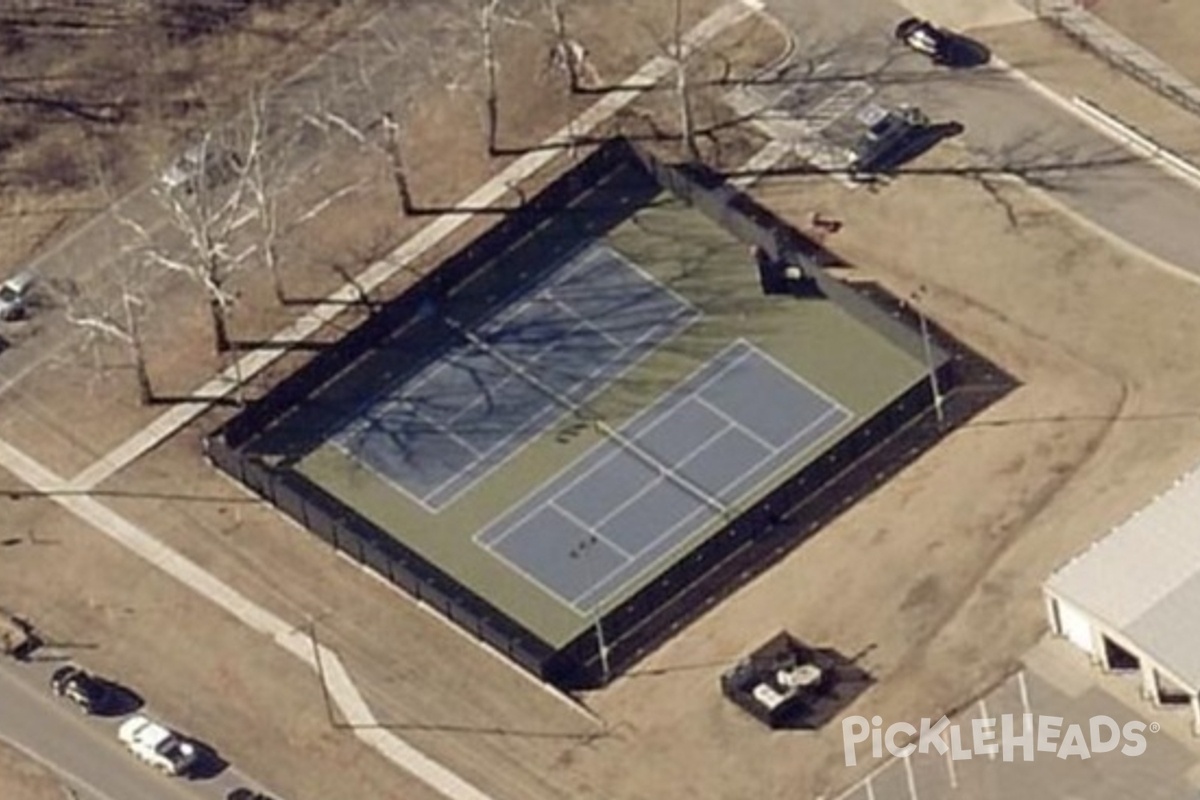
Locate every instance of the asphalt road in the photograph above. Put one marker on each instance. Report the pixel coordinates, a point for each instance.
(83, 750)
(1009, 128)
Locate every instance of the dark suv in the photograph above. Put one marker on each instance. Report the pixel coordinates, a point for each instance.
(90, 694)
(247, 794)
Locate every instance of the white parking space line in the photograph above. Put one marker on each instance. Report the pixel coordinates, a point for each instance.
(950, 770)
(870, 788)
(912, 780)
(1024, 692)
(760, 163)
(983, 714)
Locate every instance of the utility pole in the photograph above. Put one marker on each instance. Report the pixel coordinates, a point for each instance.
(936, 390)
(582, 552)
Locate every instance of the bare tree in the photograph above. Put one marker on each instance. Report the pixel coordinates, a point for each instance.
(101, 319)
(564, 53)
(214, 198)
(121, 324)
(262, 196)
(568, 54)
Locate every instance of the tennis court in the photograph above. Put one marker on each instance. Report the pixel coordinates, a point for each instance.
(436, 435)
(663, 476)
(593, 416)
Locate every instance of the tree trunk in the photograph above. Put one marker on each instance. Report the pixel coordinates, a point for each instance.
(216, 310)
(396, 156)
(686, 123)
(489, 66)
(239, 380)
(266, 213)
(137, 352)
(564, 45)
(276, 275)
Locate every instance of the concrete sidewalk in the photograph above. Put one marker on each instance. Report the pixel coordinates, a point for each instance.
(1119, 50)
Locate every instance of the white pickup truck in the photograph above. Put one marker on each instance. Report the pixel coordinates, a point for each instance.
(157, 745)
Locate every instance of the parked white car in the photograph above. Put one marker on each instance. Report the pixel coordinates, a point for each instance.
(14, 295)
(157, 745)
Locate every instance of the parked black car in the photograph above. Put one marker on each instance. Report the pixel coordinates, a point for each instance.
(945, 48)
(925, 37)
(90, 694)
(247, 794)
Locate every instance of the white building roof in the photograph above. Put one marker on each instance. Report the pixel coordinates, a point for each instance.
(1142, 581)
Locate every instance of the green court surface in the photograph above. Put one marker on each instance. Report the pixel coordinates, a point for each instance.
(828, 352)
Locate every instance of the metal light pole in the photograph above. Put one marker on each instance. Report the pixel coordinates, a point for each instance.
(581, 552)
(938, 412)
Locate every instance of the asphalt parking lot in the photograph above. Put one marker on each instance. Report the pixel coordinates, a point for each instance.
(1055, 681)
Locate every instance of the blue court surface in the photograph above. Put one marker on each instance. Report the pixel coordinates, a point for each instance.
(674, 468)
(435, 435)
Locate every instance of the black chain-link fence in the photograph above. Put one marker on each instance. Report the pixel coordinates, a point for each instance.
(557, 221)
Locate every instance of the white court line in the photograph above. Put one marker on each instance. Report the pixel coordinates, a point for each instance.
(707, 443)
(507, 315)
(544, 290)
(658, 481)
(553, 594)
(520, 520)
(795, 376)
(484, 399)
(774, 449)
(677, 403)
(416, 412)
(591, 254)
(814, 423)
(670, 532)
(912, 779)
(584, 322)
(651, 279)
(642, 491)
(950, 769)
(1024, 692)
(591, 530)
(870, 788)
(360, 463)
(421, 242)
(530, 440)
(767, 468)
(700, 508)
(615, 450)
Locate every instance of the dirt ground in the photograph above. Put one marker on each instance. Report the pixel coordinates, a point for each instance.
(913, 578)
(22, 778)
(123, 86)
